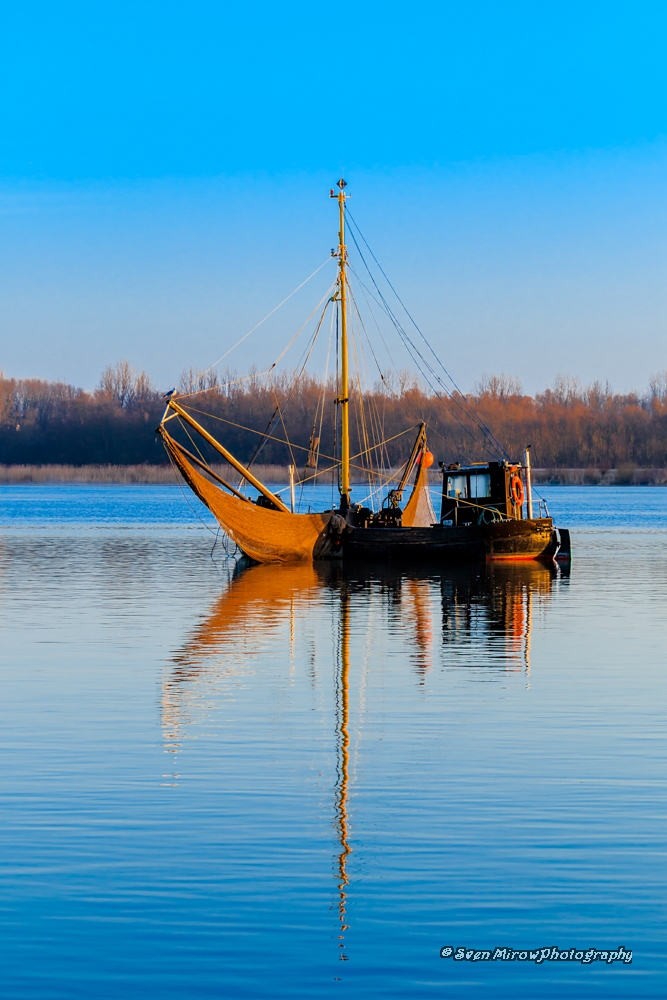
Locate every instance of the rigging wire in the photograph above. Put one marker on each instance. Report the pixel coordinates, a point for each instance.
(325, 298)
(417, 413)
(369, 424)
(374, 410)
(474, 413)
(459, 399)
(387, 386)
(303, 360)
(277, 410)
(268, 316)
(192, 441)
(179, 480)
(299, 447)
(362, 433)
(219, 387)
(448, 394)
(335, 415)
(316, 439)
(417, 357)
(305, 356)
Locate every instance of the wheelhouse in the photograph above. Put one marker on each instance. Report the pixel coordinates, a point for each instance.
(482, 492)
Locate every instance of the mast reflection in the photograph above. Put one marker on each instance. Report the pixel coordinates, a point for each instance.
(343, 759)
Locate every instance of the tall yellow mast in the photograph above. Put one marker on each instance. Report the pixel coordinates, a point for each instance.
(343, 399)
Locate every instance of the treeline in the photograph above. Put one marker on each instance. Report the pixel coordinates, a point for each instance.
(55, 423)
(568, 425)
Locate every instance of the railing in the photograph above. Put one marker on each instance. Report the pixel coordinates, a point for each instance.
(542, 510)
(497, 515)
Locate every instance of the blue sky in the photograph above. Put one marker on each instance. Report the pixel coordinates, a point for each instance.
(164, 171)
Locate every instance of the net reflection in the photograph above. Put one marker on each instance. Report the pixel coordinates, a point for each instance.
(242, 620)
(479, 619)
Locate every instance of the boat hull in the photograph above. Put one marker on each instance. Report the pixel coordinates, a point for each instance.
(505, 540)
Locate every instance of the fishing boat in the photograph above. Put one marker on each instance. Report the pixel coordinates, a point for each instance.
(487, 510)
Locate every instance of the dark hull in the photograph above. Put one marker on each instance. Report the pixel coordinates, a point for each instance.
(534, 539)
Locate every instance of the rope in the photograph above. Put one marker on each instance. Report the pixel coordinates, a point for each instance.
(268, 316)
(367, 423)
(192, 441)
(404, 337)
(179, 480)
(303, 361)
(301, 328)
(416, 353)
(218, 388)
(472, 412)
(480, 506)
(406, 341)
(299, 447)
(374, 412)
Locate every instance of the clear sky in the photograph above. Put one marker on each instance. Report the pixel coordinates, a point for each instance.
(164, 170)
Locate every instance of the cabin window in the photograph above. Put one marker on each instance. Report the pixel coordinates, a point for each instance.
(457, 486)
(480, 486)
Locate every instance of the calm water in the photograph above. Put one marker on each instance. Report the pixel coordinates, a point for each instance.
(297, 783)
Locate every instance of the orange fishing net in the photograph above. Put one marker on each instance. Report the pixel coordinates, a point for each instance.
(418, 511)
(262, 534)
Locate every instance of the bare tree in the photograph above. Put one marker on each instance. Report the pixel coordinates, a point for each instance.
(117, 383)
(124, 385)
(196, 380)
(499, 386)
(658, 386)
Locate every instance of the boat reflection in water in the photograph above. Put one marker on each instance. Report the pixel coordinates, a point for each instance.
(477, 618)
(493, 613)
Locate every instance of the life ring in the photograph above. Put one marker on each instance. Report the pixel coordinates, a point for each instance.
(516, 489)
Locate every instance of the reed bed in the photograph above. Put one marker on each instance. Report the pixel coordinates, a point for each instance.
(164, 474)
(86, 474)
(150, 474)
(623, 476)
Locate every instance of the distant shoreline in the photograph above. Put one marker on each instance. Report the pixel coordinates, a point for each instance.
(123, 474)
(165, 475)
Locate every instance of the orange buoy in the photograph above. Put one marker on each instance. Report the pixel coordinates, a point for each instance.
(516, 488)
(427, 456)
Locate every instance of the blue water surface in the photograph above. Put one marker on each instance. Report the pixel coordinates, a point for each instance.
(640, 507)
(304, 781)
(85, 505)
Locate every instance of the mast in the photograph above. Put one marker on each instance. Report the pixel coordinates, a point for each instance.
(343, 399)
